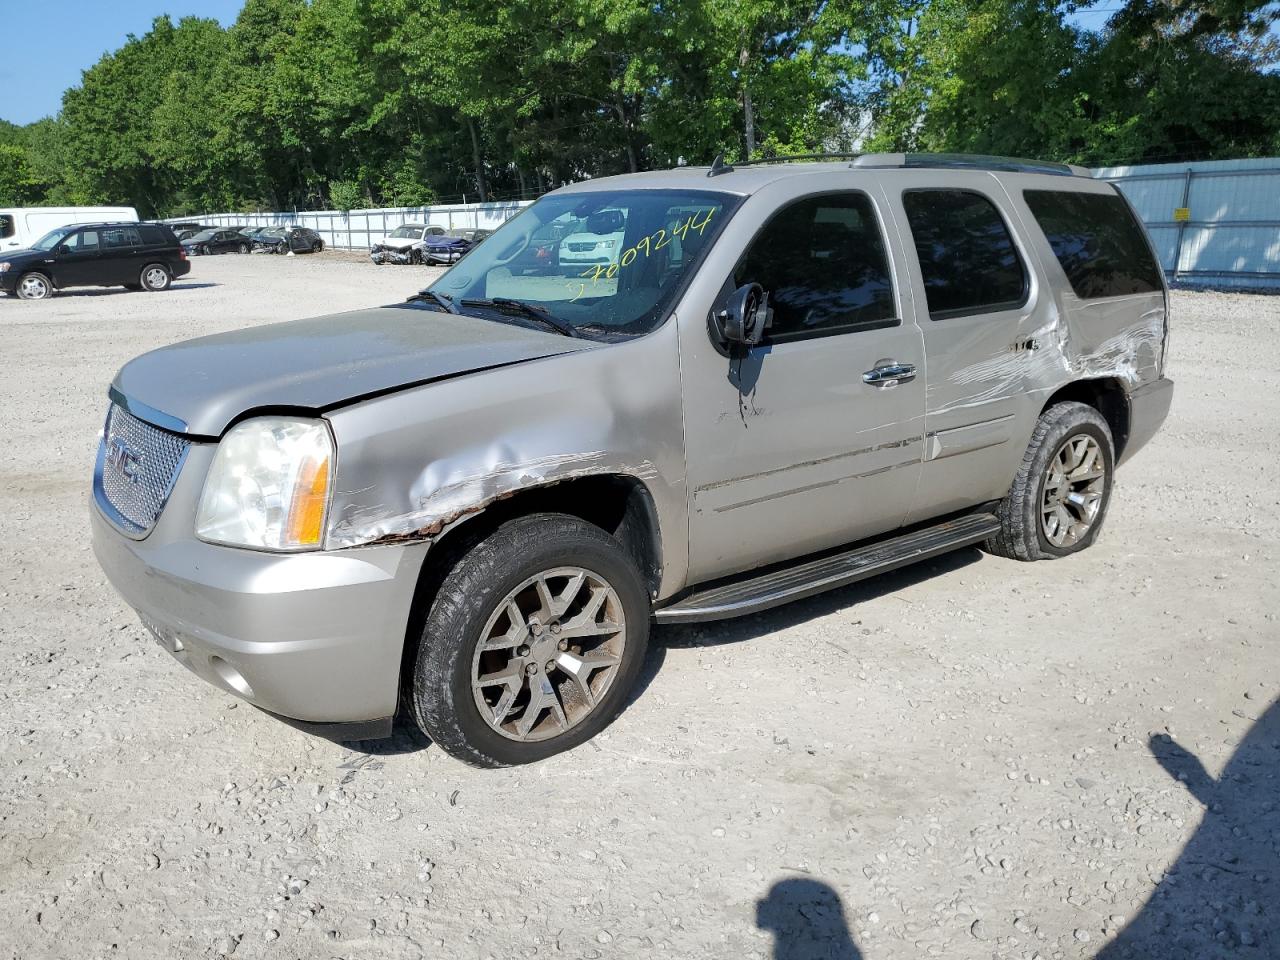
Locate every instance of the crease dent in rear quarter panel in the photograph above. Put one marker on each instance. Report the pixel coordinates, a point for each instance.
(1063, 353)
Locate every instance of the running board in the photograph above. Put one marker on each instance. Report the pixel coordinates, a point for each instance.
(760, 592)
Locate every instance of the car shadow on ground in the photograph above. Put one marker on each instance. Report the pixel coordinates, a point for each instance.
(1219, 898)
(407, 738)
(807, 921)
(714, 633)
(177, 286)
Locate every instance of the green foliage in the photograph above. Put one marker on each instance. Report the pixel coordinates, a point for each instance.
(348, 103)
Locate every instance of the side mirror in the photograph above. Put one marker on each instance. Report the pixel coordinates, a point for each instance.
(745, 316)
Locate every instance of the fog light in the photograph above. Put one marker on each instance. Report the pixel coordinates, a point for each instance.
(231, 677)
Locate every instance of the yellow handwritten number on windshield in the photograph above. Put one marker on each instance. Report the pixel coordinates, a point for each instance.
(646, 245)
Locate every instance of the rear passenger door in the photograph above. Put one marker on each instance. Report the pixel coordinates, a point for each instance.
(977, 297)
(121, 260)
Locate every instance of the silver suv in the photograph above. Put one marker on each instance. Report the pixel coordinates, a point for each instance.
(778, 379)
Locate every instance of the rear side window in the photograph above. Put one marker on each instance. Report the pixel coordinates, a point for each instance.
(116, 237)
(1097, 241)
(154, 236)
(822, 261)
(967, 257)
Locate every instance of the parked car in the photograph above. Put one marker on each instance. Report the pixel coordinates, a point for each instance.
(288, 240)
(186, 233)
(598, 242)
(138, 256)
(405, 244)
(452, 245)
(20, 227)
(252, 232)
(220, 240)
(789, 377)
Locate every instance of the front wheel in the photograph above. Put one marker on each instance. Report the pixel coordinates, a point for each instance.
(317, 247)
(243, 248)
(1059, 498)
(531, 644)
(34, 286)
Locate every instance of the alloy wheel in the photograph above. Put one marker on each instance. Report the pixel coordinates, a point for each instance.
(1073, 489)
(155, 278)
(548, 654)
(33, 287)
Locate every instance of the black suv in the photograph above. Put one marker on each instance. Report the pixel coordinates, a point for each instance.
(137, 256)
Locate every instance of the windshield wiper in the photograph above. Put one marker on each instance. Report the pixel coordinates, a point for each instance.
(439, 299)
(541, 314)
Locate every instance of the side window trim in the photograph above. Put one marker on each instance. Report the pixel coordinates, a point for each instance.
(796, 336)
(1004, 306)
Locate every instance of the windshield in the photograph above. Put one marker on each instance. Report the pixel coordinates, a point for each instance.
(610, 262)
(203, 235)
(52, 238)
(406, 231)
(274, 232)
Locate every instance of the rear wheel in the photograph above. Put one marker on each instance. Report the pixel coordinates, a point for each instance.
(243, 248)
(34, 286)
(531, 644)
(1060, 496)
(155, 277)
(317, 247)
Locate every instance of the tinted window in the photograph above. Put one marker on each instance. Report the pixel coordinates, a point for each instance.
(153, 236)
(1096, 239)
(7, 228)
(822, 261)
(115, 237)
(85, 240)
(967, 257)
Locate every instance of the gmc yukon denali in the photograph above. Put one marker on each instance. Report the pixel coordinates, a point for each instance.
(759, 383)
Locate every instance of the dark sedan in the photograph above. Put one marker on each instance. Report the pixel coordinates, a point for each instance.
(217, 241)
(453, 245)
(288, 240)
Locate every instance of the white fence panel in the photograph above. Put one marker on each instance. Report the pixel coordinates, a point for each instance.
(1214, 223)
(360, 229)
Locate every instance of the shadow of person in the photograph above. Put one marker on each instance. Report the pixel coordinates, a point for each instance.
(807, 921)
(1219, 898)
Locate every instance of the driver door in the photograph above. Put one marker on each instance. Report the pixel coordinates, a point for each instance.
(797, 444)
(79, 264)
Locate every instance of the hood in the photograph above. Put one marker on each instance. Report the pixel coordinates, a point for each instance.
(321, 363)
(397, 243)
(446, 241)
(24, 254)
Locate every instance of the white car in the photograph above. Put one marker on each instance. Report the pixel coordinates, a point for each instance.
(599, 242)
(404, 244)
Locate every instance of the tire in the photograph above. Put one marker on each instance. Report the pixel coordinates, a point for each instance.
(243, 248)
(317, 247)
(415, 258)
(1052, 512)
(470, 605)
(34, 286)
(155, 277)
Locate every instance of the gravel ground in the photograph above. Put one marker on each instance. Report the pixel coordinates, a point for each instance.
(974, 758)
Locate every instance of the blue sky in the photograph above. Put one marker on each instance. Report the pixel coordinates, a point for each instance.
(50, 42)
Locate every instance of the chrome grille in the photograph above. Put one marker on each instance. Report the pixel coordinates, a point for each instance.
(137, 466)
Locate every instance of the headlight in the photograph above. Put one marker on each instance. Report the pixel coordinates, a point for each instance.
(608, 244)
(4, 266)
(269, 485)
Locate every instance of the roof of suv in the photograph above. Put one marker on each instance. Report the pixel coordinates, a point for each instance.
(746, 178)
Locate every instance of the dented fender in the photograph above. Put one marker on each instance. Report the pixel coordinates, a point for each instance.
(414, 463)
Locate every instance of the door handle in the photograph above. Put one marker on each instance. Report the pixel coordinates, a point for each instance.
(889, 373)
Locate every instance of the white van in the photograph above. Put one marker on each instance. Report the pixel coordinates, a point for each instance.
(20, 227)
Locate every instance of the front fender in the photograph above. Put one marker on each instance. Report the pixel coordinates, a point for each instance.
(415, 462)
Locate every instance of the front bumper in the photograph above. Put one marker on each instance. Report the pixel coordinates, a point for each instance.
(315, 638)
(1148, 407)
(391, 256)
(437, 255)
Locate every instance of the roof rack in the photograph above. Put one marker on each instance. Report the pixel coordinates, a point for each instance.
(919, 160)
